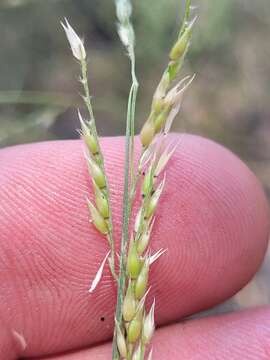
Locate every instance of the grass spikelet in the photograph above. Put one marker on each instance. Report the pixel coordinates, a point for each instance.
(149, 325)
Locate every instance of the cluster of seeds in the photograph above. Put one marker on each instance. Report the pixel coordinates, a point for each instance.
(137, 328)
(100, 212)
(134, 326)
(165, 101)
(138, 325)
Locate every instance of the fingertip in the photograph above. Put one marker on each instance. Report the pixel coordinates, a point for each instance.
(214, 220)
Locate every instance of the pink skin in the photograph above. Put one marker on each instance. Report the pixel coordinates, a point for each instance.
(213, 219)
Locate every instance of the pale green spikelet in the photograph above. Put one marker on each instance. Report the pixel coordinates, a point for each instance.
(135, 327)
(144, 239)
(160, 109)
(97, 219)
(88, 136)
(101, 202)
(129, 303)
(147, 133)
(96, 173)
(149, 325)
(142, 280)
(152, 205)
(134, 262)
(121, 342)
(161, 118)
(182, 43)
(147, 185)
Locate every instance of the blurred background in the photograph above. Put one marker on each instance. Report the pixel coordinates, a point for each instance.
(228, 102)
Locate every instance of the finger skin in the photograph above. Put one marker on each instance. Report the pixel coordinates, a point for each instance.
(238, 336)
(212, 218)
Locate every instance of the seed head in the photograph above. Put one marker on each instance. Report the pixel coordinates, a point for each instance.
(97, 219)
(75, 42)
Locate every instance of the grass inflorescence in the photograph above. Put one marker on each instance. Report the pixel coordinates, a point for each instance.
(134, 326)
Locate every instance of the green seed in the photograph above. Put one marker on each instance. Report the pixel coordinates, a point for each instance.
(142, 281)
(133, 262)
(97, 173)
(143, 242)
(91, 143)
(181, 45)
(129, 304)
(160, 121)
(101, 202)
(134, 330)
(147, 133)
(97, 219)
(158, 105)
(147, 185)
(88, 137)
(161, 118)
(152, 205)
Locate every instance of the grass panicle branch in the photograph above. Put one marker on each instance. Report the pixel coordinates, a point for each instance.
(100, 213)
(138, 325)
(134, 326)
(163, 106)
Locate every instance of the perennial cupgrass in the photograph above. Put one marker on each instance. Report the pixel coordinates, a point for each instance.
(134, 326)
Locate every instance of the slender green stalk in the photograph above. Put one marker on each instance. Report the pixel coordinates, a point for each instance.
(135, 87)
(126, 218)
(127, 37)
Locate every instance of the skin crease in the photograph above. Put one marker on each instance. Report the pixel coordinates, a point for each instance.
(212, 218)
